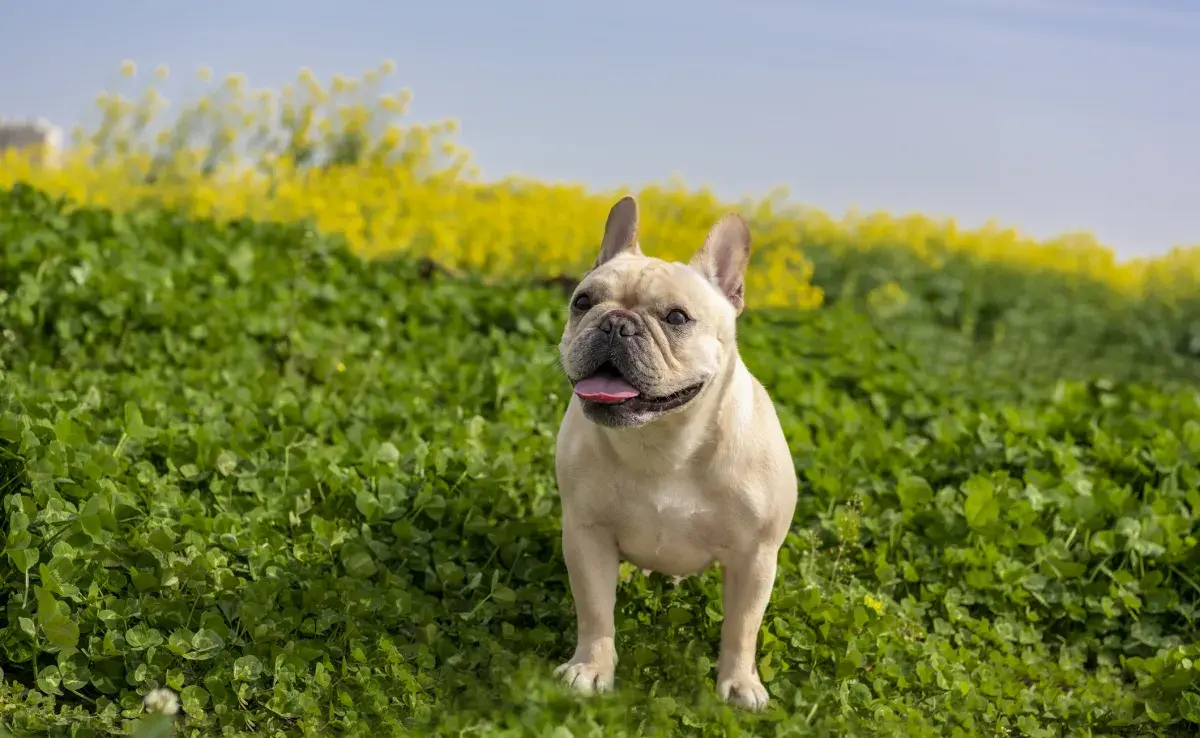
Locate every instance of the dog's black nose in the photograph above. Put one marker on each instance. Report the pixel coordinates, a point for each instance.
(623, 321)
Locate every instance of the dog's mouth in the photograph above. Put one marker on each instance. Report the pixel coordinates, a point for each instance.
(607, 386)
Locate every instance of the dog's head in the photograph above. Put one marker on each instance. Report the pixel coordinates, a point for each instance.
(646, 337)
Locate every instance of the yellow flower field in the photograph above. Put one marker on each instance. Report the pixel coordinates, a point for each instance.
(342, 155)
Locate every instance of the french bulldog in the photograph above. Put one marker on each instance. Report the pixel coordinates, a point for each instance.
(670, 454)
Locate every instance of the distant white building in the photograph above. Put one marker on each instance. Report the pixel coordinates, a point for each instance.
(32, 133)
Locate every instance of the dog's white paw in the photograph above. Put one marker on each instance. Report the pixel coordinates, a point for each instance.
(745, 690)
(586, 677)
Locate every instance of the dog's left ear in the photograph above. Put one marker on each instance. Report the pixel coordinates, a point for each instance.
(724, 256)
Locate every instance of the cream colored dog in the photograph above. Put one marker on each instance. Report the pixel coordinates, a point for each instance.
(670, 453)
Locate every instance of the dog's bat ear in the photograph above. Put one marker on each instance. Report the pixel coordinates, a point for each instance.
(724, 256)
(620, 231)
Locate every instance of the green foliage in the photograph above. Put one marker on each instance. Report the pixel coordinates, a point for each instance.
(315, 496)
(1032, 322)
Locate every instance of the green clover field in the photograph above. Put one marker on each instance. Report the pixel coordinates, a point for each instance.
(311, 494)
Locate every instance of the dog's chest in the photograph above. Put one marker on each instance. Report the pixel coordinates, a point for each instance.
(670, 528)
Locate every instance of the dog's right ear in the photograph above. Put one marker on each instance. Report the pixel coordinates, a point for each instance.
(620, 231)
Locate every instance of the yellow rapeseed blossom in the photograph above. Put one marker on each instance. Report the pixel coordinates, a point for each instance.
(887, 299)
(236, 82)
(874, 603)
(318, 153)
(128, 68)
(391, 103)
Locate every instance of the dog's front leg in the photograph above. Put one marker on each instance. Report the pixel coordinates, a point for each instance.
(746, 585)
(592, 564)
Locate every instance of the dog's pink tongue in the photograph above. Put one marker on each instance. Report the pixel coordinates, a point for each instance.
(605, 389)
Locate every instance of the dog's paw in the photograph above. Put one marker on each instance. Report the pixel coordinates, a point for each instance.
(586, 677)
(745, 690)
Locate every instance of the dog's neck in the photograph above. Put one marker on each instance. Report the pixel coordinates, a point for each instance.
(681, 437)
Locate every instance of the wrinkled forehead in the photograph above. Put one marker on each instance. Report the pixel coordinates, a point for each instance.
(640, 281)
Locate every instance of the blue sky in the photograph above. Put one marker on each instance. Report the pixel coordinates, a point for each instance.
(1052, 116)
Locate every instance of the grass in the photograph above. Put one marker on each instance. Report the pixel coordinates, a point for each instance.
(314, 495)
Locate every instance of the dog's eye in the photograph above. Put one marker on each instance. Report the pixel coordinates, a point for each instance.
(583, 302)
(677, 317)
